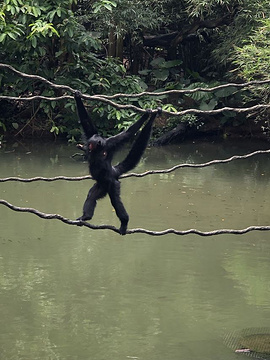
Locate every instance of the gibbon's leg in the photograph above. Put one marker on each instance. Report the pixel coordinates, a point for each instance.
(96, 192)
(120, 210)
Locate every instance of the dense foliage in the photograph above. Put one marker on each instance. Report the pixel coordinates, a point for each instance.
(109, 46)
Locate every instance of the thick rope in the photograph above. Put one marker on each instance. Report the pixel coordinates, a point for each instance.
(133, 231)
(140, 110)
(189, 91)
(149, 172)
(37, 77)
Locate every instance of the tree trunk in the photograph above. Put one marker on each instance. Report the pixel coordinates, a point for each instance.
(172, 135)
(119, 48)
(112, 44)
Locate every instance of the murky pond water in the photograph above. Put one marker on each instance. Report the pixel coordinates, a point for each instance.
(68, 292)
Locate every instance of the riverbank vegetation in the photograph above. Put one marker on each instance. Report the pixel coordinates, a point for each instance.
(123, 46)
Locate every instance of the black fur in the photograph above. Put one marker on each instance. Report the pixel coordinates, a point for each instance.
(100, 151)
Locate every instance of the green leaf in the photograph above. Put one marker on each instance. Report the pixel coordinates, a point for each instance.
(23, 18)
(172, 63)
(161, 74)
(58, 53)
(157, 62)
(34, 41)
(13, 10)
(2, 37)
(114, 4)
(15, 125)
(169, 107)
(225, 92)
(42, 51)
(54, 129)
(144, 72)
(70, 32)
(118, 115)
(208, 106)
(35, 11)
(12, 35)
(108, 7)
(51, 15)
(97, 9)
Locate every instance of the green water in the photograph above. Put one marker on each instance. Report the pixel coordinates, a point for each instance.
(68, 292)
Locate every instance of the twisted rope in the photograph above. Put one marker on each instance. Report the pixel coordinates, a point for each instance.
(133, 231)
(189, 91)
(144, 93)
(106, 98)
(149, 172)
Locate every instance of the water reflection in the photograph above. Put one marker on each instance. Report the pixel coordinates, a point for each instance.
(73, 293)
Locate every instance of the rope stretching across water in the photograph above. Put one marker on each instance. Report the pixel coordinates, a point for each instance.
(133, 231)
(138, 230)
(149, 172)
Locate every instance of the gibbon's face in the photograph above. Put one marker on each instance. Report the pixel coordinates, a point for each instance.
(96, 143)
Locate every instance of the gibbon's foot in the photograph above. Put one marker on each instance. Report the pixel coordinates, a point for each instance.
(123, 229)
(84, 218)
(80, 221)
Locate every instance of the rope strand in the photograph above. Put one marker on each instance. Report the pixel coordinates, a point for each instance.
(106, 98)
(133, 231)
(149, 172)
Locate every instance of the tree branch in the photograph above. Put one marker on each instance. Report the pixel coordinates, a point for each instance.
(174, 38)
